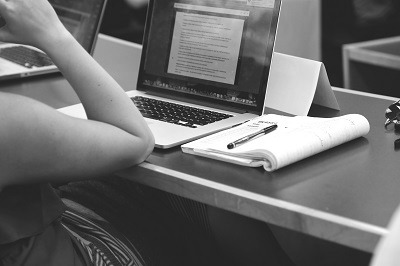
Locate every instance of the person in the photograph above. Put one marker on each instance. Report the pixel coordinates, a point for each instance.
(60, 202)
(45, 153)
(387, 251)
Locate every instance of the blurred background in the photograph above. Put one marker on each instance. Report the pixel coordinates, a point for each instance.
(125, 19)
(313, 29)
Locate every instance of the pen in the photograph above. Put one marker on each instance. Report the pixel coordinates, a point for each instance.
(240, 123)
(251, 136)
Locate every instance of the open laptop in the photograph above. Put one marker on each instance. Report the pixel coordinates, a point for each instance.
(212, 55)
(81, 18)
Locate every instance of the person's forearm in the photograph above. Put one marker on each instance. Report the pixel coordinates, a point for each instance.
(95, 87)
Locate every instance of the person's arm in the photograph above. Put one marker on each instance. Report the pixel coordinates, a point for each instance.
(39, 144)
(387, 252)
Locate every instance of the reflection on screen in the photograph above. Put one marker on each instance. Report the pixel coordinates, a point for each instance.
(219, 49)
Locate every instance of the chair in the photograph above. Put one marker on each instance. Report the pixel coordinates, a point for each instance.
(373, 66)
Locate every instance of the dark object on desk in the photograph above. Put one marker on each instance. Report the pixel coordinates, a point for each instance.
(2, 22)
(397, 144)
(392, 114)
(397, 128)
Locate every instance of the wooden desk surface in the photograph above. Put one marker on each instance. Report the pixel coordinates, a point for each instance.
(346, 195)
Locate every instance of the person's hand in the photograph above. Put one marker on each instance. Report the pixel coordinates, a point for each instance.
(32, 22)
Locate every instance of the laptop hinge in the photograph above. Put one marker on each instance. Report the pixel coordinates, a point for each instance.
(215, 105)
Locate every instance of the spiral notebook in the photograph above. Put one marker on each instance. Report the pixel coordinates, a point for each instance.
(295, 138)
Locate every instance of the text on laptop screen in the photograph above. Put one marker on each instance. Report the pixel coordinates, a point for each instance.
(219, 49)
(81, 18)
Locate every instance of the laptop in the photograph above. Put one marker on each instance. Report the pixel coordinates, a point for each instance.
(207, 60)
(81, 18)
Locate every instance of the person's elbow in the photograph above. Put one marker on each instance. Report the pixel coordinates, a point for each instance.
(145, 148)
(149, 145)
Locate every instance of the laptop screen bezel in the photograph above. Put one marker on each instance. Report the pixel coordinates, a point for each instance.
(96, 32)
(258, 109)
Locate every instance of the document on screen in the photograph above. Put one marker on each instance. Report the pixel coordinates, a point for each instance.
(206, 46)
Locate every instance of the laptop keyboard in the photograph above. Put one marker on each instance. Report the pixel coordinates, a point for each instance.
(176, 113)
(25, 57)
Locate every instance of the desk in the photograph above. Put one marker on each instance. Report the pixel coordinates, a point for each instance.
(346, 195)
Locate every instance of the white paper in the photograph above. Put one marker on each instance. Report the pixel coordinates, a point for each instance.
(295, 138)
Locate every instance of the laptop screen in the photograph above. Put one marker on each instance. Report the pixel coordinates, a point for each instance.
(81, 18)
(216, 50)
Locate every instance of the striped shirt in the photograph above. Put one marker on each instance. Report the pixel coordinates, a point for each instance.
(100, 242)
